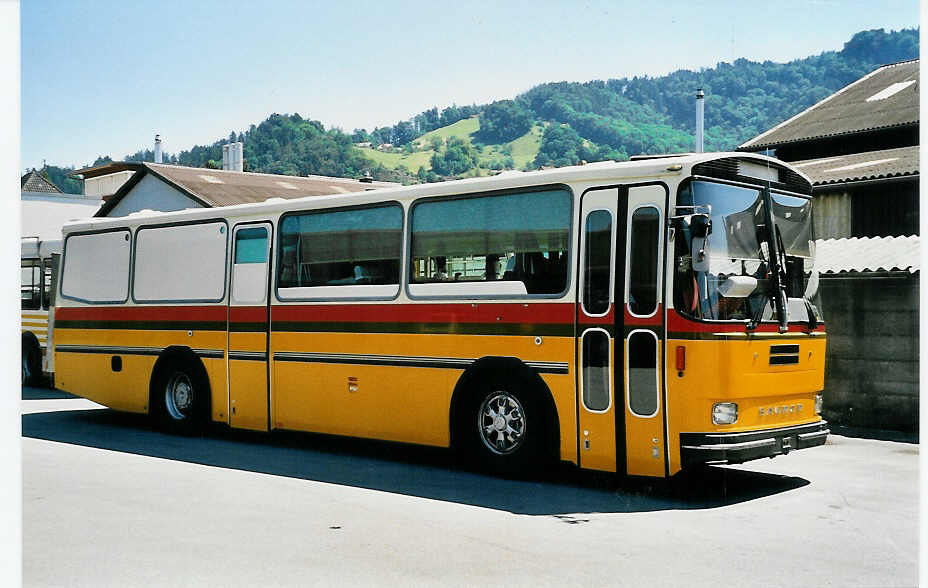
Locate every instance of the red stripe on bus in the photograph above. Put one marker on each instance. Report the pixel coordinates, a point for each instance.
(606, 319)
(247, 314)
(142, 313)
(680, 324)
(516, 313)
(656, 320)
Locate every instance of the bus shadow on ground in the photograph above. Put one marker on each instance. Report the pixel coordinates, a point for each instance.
(45, 394)
(403, 469)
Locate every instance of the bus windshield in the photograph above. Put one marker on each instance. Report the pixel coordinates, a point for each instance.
(737, 246)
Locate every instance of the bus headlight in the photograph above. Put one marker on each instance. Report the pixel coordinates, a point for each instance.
(818, 404)
(724, 413)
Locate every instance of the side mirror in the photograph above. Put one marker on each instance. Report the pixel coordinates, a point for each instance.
(700, 227)
(738, 286)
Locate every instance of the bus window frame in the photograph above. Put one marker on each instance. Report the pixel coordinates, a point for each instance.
(64, 261)
(489, 193)
(33, 264)
(660, 262)
(669, 293)
(225, 265)
(613, 235)
(659, 372)
(610, 370)
(379, 204)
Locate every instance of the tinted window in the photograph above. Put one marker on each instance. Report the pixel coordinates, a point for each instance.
(344, 247)
(251, 245)
(596, 261)
(596, 370)
(512, 237)
(642, 373)
(642, 261)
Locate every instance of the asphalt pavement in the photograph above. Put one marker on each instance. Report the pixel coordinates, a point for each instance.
(109, 500)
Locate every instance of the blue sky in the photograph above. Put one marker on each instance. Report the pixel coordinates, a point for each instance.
(102, 77)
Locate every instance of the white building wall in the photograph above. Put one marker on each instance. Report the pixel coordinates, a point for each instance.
(43, 214)
(153, 194)
(105, 185)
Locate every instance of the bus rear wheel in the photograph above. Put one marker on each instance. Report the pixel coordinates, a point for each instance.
(503, 429)
(179, 397)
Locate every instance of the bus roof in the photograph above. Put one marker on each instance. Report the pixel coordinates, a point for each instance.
(677, 165)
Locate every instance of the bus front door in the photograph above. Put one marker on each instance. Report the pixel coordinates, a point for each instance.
(247, 357)
(640, 328)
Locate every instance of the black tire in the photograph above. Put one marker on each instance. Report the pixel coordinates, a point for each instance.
(502, 426)
(180, 397)
(31, 362)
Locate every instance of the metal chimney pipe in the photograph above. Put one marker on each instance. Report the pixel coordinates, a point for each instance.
(700, 113)
(239, 161)
(157, 148)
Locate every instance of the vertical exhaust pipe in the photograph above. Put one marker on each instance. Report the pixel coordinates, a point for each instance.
(700, 108)
(157, 148)
(237, 162)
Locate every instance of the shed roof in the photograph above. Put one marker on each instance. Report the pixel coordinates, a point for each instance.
(886, 97)
(869, 165)
(35, 182)
(210, 187)
(867, 254)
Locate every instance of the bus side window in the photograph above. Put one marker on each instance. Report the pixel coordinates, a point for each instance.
(353, 247)
(597, 258)
(29, 291)
(516, 237)
(250, 265)
(642, 255)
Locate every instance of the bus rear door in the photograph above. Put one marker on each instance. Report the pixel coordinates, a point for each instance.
(247, 357)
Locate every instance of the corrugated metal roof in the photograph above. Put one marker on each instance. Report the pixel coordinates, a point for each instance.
(886, 97)
(36, 182)
(867, 254)
(869, 165)
(223, 188)
(211, 187)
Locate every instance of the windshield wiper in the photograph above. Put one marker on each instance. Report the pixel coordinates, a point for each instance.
(777, 261)
(810, 311)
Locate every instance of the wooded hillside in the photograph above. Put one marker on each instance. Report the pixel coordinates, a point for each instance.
(561, 123)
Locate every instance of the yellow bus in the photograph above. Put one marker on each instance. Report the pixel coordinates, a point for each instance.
(640, 317)
(37, 259)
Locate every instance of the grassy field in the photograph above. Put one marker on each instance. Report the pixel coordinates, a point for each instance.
(461, 129)
(413, 161)
(523, 149)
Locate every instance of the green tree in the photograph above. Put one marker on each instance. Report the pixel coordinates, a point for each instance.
(457, 158)
(503, 120)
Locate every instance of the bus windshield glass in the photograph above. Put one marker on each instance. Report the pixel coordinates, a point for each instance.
(737, 246)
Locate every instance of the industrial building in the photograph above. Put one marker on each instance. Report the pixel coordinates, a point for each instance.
(859, 146)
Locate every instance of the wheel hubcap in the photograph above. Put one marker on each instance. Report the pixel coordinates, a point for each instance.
(501, 423)
(178, 396)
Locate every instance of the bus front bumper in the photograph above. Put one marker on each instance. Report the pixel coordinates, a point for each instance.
(710, 448)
